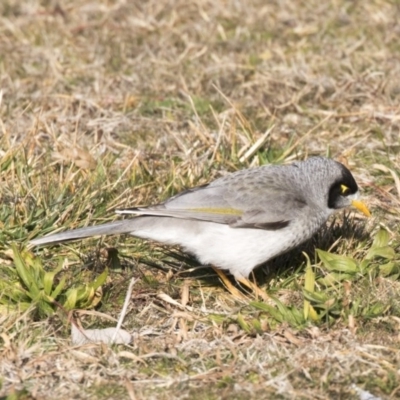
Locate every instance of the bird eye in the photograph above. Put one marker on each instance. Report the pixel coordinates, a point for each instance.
(344, 189)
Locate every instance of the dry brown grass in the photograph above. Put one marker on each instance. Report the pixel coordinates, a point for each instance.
(113, 103)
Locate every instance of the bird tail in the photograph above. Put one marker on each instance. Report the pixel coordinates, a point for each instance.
(112, 228)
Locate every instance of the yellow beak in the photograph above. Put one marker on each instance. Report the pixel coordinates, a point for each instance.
(361, 207)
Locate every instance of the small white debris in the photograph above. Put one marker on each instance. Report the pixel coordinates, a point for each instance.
(106, 335)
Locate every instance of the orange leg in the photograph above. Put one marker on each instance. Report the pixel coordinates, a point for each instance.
(245, 282)
(255, 289)
(227, 283)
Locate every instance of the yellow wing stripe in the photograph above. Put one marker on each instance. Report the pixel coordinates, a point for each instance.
(221, 211)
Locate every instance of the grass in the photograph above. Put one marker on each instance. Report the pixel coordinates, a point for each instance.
(112, 104)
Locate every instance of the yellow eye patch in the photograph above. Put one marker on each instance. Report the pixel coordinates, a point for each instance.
(344, 189)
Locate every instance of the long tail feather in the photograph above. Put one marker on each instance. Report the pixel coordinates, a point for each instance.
(111, 228)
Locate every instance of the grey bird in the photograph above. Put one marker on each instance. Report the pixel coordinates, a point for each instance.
(243, 219)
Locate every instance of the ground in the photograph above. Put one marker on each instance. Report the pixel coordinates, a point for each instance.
(110, 104)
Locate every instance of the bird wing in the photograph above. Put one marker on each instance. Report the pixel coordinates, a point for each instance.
(261, 206)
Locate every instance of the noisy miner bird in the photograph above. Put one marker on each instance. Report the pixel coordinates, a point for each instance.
(243, 219)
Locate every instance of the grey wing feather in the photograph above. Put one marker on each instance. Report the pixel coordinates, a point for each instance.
(262, 205)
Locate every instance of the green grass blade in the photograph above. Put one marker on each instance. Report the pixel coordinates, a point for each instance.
(24, 273)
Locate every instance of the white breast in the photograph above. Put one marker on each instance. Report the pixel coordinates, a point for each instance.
(238, 250)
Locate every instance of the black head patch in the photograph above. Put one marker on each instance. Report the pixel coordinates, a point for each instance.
(342, 187)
